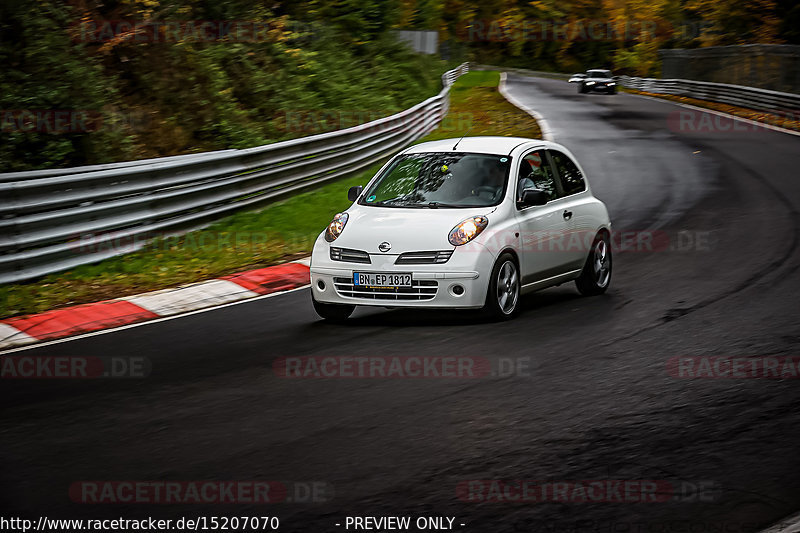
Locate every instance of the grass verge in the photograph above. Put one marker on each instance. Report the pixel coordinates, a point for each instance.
(254, 239)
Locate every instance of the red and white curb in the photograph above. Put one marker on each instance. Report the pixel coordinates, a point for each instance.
(79, 319)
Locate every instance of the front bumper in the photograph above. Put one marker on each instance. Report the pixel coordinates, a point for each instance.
(436, 284)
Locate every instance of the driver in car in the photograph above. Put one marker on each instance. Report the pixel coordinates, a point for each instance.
(525, 178)
(492, 186)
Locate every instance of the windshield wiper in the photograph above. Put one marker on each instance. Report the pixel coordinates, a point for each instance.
(390, 202)
(396, 203)
(413, 205)
(436, 205)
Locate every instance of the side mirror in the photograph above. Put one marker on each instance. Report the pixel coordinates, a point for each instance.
(354, 192)
(531, 197)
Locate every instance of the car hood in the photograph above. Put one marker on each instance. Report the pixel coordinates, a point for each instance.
(406, 230)
(605, 80)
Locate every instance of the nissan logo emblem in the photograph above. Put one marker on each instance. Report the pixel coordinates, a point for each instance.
(384, 247)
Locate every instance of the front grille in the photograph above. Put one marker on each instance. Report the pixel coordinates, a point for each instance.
(350, 256)
(424, 258)
(421, 289)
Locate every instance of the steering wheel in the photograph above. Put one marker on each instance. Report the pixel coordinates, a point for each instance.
(486, 189)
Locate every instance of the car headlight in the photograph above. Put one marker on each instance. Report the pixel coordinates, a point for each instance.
(612, 83)
(589, 83)
(336, 226)
(466, 230)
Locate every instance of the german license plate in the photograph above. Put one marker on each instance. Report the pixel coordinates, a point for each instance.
(373, 279)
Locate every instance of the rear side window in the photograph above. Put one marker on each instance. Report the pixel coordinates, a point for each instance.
(571, 178)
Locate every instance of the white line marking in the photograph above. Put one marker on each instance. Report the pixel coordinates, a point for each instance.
(148, 322)
(790, 524)
(547, 133)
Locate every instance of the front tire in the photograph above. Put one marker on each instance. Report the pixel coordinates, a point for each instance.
(596, 274)
(503, 296)
(333, 312)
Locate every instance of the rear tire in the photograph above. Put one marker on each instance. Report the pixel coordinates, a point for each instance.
(503, 295)
(333, 312)
(596, 274)
(581, 90)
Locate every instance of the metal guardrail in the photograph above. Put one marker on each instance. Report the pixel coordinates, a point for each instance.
(48, 217)
(750, 97)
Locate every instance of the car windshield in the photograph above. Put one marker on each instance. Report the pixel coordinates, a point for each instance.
(434, 180)
(599, 73)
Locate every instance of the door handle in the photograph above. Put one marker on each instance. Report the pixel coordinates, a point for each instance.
(567, 215)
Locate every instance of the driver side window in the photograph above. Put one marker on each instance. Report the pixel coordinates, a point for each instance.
(535, 173)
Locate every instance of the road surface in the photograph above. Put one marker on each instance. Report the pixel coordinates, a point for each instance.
(595, 402)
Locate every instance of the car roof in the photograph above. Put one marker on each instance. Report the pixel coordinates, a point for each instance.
(478, 144)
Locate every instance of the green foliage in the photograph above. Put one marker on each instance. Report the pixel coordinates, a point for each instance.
(359, 21)
(185, 95)
(667, 24)
(44, 70)
(319, 57)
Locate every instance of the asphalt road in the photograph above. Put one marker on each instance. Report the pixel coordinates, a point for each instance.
(597, 402)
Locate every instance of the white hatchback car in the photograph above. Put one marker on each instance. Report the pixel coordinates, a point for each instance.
(464, 223)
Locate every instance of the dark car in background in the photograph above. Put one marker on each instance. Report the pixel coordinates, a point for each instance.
(596, 80)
